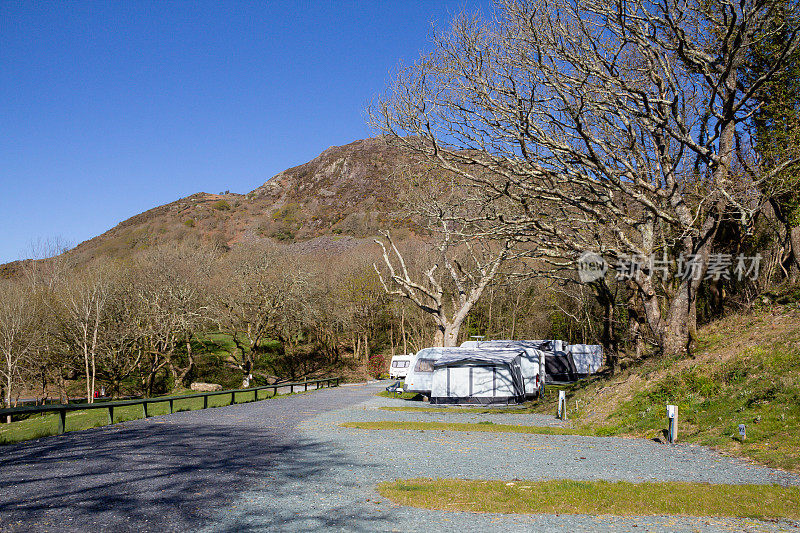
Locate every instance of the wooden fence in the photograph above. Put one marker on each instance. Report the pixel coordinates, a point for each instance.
(62, 409)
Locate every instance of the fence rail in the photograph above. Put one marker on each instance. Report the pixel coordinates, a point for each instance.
(62, 409)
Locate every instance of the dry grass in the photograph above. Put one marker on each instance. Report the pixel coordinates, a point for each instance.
(596, 497)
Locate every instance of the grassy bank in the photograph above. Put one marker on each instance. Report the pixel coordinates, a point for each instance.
(596, 497)
(746, 371)
(480, 426)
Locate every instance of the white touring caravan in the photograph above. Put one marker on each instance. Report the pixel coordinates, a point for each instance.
(478, 376)
(533, 361)
(587, 358)
(398, 368)
(420, 371)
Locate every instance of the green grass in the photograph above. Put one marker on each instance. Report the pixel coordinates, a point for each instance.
(457, 410)
(481, 426)
(757, 385)
(596, 497)
(413, 396)
(47, 424)
(759, 388)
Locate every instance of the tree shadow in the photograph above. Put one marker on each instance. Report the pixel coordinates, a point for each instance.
(171, 473)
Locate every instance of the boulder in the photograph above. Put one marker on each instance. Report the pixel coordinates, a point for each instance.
(205, 387)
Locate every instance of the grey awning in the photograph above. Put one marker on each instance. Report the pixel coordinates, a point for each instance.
(482, 356)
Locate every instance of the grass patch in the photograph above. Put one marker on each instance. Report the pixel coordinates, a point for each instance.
(597, 497)
(456, 410)
(481, 426)
(413, 396)
(44, 425)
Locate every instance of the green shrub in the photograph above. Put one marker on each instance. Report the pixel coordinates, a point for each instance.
(221, 205)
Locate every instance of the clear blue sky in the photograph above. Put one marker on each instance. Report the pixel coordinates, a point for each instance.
(109, 109)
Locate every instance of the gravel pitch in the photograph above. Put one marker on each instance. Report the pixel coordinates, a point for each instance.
(287, 465)
(341, 495)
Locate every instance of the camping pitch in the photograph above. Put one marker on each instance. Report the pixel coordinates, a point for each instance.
(478, 376)
(533, 361)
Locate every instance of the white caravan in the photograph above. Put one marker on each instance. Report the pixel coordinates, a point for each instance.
(398, 368)
(420, 371)
(587, 358)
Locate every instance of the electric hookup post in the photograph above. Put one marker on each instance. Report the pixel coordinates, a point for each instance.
(742, 432)
(672, 416)
(562, 405)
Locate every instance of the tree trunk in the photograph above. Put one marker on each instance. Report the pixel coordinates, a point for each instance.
(391, 337)
(674, 333)
(89, 398)
(403, 330)
(608, 338)
(447, 334)
(794, 242)
(62, 388)
(8, 394)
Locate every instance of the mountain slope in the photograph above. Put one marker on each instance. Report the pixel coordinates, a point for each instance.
(345, 194)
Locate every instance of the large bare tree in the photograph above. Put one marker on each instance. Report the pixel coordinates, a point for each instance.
(609, 126)
(449, 288)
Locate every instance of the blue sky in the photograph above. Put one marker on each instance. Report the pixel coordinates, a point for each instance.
(109, 109)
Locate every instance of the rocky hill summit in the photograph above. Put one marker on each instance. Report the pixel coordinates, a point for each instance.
(329, 204)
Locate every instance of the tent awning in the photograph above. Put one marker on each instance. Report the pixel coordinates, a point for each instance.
(483, 356)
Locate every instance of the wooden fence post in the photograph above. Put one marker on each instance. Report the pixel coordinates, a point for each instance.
(62, 421)
(110, 414)
(170, 406)
(233, 398)
(205, 402)
(144, 409)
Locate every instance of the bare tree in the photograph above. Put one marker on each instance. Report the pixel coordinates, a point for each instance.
(83, 296)
(604, 126)
(428, 292)
(166, 292)
(19, 335)
(249, 297)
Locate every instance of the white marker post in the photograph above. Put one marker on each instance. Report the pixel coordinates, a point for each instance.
(562, 405)
(742, 432)
(672, 416)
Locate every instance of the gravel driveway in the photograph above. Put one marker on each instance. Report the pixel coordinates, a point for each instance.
(340, 495)
(286, 465)
(166, 473)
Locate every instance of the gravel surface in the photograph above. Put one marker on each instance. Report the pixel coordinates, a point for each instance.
(166, 473)
(341, 495)
(286, 465)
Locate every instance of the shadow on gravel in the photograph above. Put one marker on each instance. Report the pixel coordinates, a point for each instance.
(318, 493)
(150, 475)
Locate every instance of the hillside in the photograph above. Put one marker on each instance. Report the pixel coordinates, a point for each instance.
(326, 205)
(747, 371)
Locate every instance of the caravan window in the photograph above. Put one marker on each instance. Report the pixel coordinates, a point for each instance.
(400, 364)
(424, 365)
